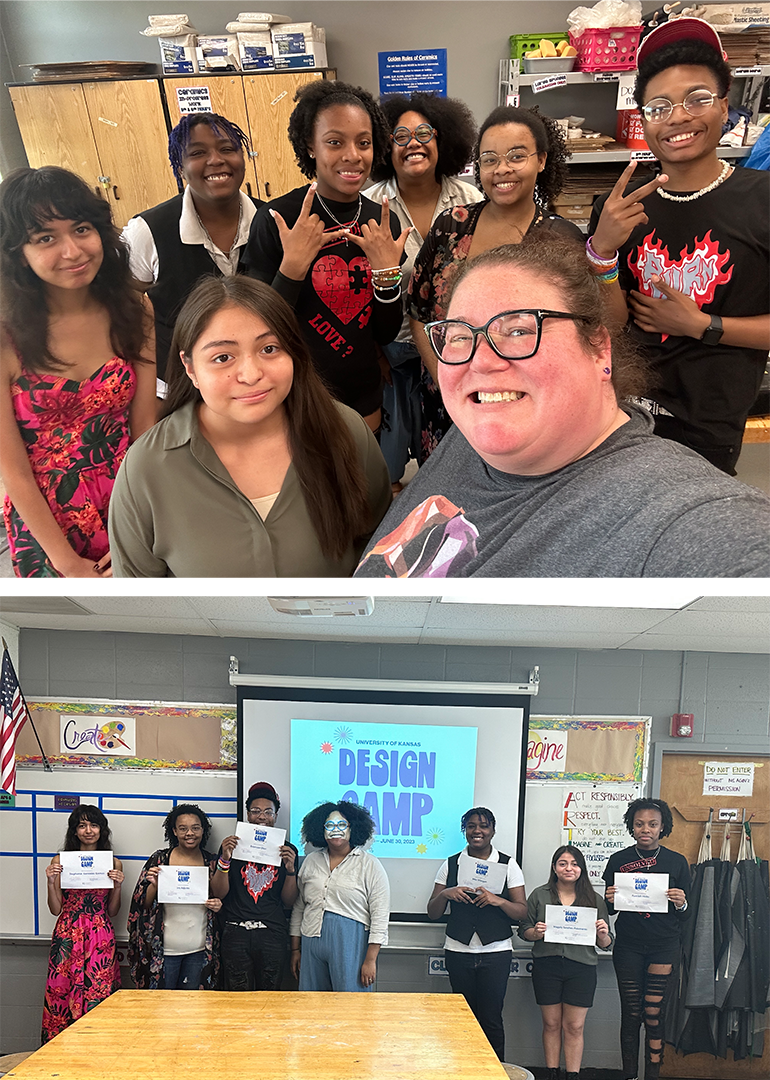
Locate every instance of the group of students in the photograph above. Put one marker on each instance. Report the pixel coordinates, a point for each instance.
(274, 328)
(329, 920)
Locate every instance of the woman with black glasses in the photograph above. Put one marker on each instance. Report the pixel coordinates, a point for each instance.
(340, 919)
(550, 470)
(432, 140)
(520, 166)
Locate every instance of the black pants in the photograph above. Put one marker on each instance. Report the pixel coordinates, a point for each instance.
(252, 959)
(722, 457)
(482, 979)
(643, 997)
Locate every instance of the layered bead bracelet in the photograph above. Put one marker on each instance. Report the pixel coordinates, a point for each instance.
(606, 269)
(387, 279)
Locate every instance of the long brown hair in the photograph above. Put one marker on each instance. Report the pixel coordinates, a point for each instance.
(29, 198)
(322, 448)
(584, 892)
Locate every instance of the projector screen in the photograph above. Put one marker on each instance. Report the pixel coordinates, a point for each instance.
(416, 759)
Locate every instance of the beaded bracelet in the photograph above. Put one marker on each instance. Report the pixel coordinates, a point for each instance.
(386, 281)
(597, 260)
(389, 300)
(223, 866)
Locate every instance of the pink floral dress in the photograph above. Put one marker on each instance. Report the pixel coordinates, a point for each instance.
(83, 966)
(76, 435)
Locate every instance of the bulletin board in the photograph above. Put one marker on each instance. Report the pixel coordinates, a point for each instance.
(168, 735)
(580, 796)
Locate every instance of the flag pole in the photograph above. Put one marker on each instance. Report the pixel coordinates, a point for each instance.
(46, 763)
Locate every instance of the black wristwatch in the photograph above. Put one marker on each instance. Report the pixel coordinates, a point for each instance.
(712, 335)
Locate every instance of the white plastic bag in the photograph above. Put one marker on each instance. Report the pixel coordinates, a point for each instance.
(605, 13)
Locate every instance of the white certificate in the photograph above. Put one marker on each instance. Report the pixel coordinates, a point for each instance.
(258, 843)
(86, 869)
(485, 875)
(183, 884)
(641, 892)
(570, 925)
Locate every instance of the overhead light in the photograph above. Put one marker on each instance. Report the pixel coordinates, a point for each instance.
(322, 607)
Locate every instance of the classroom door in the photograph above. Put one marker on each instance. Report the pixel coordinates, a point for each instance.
(681, 786)
(227, 99)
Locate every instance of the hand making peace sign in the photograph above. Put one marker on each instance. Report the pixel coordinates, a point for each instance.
(622, 213)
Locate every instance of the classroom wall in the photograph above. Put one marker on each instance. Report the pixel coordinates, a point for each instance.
(475, 33)
(727, 692)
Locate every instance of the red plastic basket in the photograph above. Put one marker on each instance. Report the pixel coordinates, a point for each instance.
(613, 49)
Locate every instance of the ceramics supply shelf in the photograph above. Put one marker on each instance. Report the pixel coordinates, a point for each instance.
(597, 157)
(586, 77)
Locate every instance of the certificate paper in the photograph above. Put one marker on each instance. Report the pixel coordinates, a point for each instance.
(570, 925)
(86, 869)
(486, 875)
(641, 892)
(183, 884)
(258, 843)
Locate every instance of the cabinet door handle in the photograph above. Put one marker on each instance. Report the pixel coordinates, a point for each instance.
(115, 192)
(248, 188)
(267, 189)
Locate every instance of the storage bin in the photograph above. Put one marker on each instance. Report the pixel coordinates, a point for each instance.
(613, 49)
(523, 43)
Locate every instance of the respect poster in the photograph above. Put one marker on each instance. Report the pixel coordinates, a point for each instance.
(410, 777)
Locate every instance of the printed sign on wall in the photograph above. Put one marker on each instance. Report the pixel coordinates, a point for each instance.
(97, 735)
(593, 821)
(410, 777)
(728, 778)
(409, 70)
(546, 751)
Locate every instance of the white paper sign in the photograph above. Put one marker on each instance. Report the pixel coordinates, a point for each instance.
(258, 843)
(549, 82)
(183, 884)
(626, 99)
(86, 869)
(728, 778)
(570, 925)
(593, 821)
(473, 874)
(641, 892)
(546, 751)
(193, 99)
(642, 155)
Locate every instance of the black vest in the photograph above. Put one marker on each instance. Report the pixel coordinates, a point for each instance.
(180, 267)
(490, 923)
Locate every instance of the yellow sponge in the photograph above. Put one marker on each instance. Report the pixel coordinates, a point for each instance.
(547, 48)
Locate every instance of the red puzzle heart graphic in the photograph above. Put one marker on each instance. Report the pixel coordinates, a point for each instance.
(345, 288)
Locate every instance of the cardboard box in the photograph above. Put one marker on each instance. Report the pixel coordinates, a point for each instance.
(178, 55)
(255, 51)
(738, 16)
(217, 51)
(299, 45)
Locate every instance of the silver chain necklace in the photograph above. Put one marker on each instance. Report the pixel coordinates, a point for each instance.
(726, 169)
(653, 854)
(342, 224)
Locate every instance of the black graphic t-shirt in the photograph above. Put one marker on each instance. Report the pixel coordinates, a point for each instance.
(338, 315)
(716, 249)
(255, 894)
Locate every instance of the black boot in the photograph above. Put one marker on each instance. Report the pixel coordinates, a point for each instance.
(573, 1076)
(553, 1074)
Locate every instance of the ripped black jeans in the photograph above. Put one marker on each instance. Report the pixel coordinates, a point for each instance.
(645, 978)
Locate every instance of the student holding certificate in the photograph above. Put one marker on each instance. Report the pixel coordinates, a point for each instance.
(478, 946)
(255, 932)
(564, 971)
(173, 941)
(646, 952)
(83, 967)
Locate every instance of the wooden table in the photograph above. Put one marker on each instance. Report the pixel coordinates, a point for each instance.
(757, 430)
(172, 1034)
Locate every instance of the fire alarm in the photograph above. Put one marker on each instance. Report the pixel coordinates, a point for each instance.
(682, 725)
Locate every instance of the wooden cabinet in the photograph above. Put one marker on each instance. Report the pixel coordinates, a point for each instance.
(113, 134)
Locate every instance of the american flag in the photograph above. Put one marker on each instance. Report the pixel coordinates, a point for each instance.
(13, 713)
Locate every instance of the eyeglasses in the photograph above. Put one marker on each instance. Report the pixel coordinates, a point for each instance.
(265, 815)
(193, 829)
(423, 133)
(335, 826)
(696, 104)
(517, 159)
(512, 335)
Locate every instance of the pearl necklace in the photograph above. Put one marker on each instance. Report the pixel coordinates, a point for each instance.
(726, 170)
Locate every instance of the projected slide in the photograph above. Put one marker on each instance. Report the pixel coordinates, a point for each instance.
(410, 777)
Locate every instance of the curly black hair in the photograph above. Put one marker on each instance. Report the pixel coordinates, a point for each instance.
(549, 140)
(482, 813)
(358, 817)
(179, 138)
(86, 812)
(694, 53)
(176, 813)
(325, 94)
(650, 804)
(455, 130)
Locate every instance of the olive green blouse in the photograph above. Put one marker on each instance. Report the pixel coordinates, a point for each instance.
(536, 904)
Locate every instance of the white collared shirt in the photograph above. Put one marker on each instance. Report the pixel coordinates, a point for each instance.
(143, 255)
(357, 888)
(454, 192)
